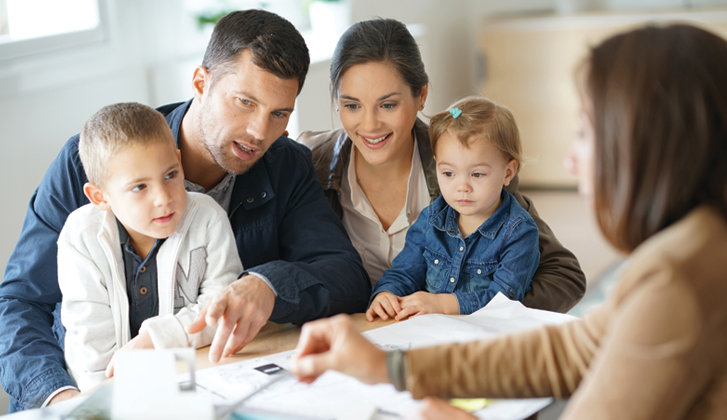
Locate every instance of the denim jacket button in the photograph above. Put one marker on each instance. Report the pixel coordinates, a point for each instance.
(436, 262)
(479, 271)
(452, 280)
(512, 295)
(461, 248)
(250, 199)
(264, 194)
(451, 232)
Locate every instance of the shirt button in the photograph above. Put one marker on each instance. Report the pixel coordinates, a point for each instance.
(250, 199)
(143, 290)
(479, 271)
(461, 248)
(451, 279)
(264, 194)
(142, 269)
(436, 262)
(451, 232)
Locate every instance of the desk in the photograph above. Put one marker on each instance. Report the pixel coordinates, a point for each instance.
(275, 338)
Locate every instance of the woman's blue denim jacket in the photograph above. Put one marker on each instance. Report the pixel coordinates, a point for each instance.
(500, 256)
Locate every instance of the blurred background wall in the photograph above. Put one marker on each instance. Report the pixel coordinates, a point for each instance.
(520, 52)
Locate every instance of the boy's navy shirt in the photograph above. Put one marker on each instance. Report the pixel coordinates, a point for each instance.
(141, 280)
(284, 230)
(499, 256)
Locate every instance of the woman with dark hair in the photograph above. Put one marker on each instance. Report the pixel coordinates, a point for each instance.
(378, 172)
(652, 161)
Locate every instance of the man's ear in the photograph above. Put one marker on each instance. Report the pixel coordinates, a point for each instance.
(200, 81)
(95, 196)
(511, 171)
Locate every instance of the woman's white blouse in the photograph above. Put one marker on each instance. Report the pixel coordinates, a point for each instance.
(377, 246)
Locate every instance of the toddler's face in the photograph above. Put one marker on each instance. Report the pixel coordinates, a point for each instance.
(145, 190)
(471, 178)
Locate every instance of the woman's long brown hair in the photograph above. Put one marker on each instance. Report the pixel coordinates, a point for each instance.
(659, 108)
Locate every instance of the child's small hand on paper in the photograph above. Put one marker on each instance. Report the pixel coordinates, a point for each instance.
(421, 303)
(141, 341)
(385, 305)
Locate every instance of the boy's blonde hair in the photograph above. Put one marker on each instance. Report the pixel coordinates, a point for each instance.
(115, 127)
(479, 117)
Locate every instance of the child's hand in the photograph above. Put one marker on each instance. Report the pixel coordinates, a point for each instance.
(385, 305)
(421, 303)
(141, 341)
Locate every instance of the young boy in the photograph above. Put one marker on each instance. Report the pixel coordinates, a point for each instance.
(473, 241)
(136, 264)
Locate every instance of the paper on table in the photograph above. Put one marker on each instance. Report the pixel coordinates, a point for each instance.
(228, 383)
(500, 316)
(335, 395)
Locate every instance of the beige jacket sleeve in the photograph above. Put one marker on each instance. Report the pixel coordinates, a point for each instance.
(642, 357)
(549, 361)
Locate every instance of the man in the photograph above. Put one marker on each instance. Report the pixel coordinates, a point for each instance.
(298, 260)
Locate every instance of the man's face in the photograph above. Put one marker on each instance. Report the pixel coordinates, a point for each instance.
(243, 113)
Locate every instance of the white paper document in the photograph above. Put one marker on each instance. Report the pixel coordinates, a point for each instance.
(337, 396)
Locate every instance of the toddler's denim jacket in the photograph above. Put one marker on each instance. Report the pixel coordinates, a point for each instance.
(500, 256)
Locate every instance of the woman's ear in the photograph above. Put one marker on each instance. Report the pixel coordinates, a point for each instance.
(423, 96)
(95, 196)
(510, 171)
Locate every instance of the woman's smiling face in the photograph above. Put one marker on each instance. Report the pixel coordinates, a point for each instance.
(378, 111)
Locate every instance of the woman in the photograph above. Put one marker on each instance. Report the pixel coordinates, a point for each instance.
(652, 161)
(379, 186)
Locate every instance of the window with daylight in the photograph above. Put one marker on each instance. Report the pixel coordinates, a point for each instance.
(33, 26)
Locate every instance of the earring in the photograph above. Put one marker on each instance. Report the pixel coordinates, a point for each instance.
(422, 107)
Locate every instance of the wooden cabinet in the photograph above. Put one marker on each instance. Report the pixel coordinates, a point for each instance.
(528, 65)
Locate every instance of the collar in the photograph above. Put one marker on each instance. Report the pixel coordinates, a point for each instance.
(443, 217)
(174, 114)
(360, 202)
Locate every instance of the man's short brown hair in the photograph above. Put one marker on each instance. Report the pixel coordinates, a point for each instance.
(274, 43)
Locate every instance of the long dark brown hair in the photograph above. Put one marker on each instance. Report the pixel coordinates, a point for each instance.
(659, 111)
(379, 40)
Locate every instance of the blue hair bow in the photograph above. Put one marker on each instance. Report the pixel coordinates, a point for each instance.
(456, 112)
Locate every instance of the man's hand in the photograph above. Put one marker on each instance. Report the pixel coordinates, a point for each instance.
(335, 343)
(141, 341)
(435, 408)
(243, 307)
(421, 303)
(64, 395)
(385, 305)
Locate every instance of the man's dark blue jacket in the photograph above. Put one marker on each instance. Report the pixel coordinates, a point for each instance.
(283, 225)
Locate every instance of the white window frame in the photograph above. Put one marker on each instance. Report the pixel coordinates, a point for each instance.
(34, 46)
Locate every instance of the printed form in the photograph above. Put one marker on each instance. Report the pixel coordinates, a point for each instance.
(338, 396)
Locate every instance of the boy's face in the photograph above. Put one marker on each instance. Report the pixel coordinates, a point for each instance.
(144, 187)
(471, 178)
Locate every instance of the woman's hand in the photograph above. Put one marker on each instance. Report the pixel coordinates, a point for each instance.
(141, 341)
(385, 305)
(335, 343)
(421, 303)
(435, 408)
